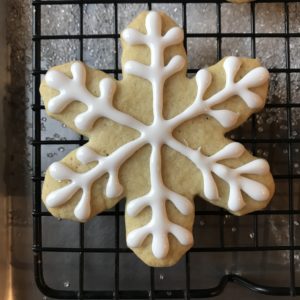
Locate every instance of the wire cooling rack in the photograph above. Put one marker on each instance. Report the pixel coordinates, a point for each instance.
(259, 251)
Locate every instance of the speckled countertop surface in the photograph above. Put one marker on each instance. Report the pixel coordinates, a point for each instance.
(16, 133)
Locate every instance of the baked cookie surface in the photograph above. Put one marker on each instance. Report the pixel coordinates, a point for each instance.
(156, 137)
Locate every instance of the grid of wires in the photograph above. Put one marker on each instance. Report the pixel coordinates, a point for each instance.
(290, 246)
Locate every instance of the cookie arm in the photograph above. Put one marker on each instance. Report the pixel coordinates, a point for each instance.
(234, 177)
(75, 90)
(242, 88)
(83, 181)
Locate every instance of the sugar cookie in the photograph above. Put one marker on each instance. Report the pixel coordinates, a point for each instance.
(156, 137)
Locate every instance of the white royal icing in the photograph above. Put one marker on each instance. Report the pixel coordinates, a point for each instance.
(157, 134)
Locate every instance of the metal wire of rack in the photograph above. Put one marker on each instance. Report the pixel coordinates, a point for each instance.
(116, 249)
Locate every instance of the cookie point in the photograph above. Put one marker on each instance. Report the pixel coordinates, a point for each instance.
(262, 75)
(232, 64)
(49, 77)
(264, 167)
(180, 61)
(126, 35)
(231, 60)
(160, 251)
(174, 34)
(54, 79)
(86, 155)
(264, 194)
(235, 206)
(131, 240)
(82, 211)
(80, 122)
(235, 148)
(76, 65)
(113, 188)
(175, 64)
(153, 22)
(50, 200)
(203, 75)
(108, 86)
(56, 170)
(153, 14)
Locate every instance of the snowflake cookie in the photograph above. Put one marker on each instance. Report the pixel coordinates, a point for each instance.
(156, 137)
